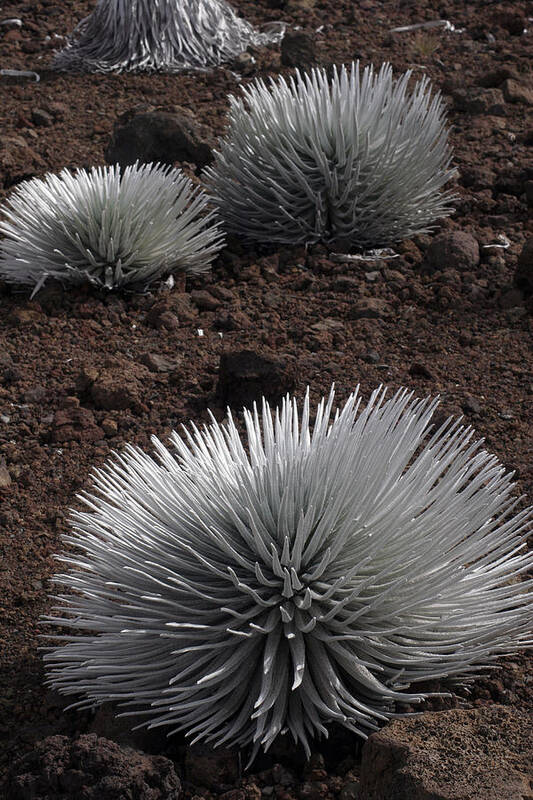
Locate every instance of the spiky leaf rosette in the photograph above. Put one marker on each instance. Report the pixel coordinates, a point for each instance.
(311, 577)
(357, 159)
(110, 227)
(164, 35)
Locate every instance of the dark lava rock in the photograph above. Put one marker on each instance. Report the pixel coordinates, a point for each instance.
(452, 250)
(115, 391)
(511, 20)
(245, 376)
(120, 384)
(495, 77)
(470, 405)
(510, 181)
(298, 49)
(515, 92)
(159, 136)
(479, 754)
(209, 767)
(161, 317)
(369, 308)
(156, 362)
(524, 268)
(371, 357)
(477, 176)
(479, 101)
(418, 369)
(511, 299)
(36, 394)
(235, 320)
(204, 300)
(172, 312)
(75, 425)
(92, 768)
(41, 118)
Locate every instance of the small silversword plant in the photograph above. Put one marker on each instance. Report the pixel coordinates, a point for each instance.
(235, 591)
(110, 227)
(355, 159)
(164, 35)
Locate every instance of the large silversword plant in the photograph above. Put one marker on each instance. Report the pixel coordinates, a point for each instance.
(357, 159)
(313, 574)
(165, 35)
(108, 226)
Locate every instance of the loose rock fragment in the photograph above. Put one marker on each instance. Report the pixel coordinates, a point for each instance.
(204, 300)
(370, 308)
(245, 376)
(515, 92)
(481, 753)
(470, 405)
(75, 425)
(160, 137)
(115, 391)
(92, 768)
(420, 370)
(452, 250)
(159, 363)
(298, 49)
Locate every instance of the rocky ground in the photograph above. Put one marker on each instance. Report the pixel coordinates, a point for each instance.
(81, 373)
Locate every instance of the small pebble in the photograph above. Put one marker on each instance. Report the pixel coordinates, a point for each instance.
(421, 370)
(470, 405)
(371, 357)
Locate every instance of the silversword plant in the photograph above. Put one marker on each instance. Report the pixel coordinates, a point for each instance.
(311, 575)
(357, 159)
(110, 227)
(165, 35)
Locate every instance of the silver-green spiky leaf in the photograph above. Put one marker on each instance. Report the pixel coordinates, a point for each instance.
(357, 159)
(313, 575)
(109, 226)
(162, 35)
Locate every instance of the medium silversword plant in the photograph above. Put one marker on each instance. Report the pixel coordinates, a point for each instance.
(357, 159)
(311, 575)
(110, 227)
(165, 35)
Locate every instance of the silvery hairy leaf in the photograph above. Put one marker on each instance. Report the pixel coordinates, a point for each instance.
(358, 159)
(108, 226)
(313, 573)
(162, 35)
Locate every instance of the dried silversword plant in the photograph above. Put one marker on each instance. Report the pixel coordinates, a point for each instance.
(356, 159)
(109, 226)
(314, 574)
(162, 35)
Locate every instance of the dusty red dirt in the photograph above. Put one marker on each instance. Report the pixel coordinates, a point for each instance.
(464, 335)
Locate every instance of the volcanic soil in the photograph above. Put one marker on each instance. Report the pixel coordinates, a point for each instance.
(460, 330)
